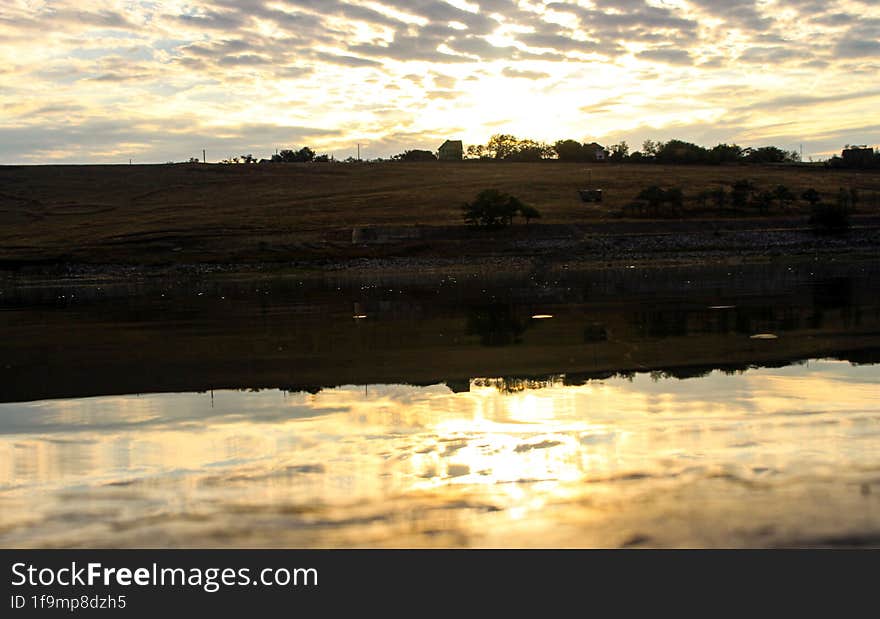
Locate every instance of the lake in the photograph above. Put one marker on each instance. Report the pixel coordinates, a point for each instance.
(680, 407)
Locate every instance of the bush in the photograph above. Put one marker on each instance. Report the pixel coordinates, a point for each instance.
(496, 209)
(656, 198)
(829, 218)
(529, 212)
(812, 196)
(741, 192)
(415, 155)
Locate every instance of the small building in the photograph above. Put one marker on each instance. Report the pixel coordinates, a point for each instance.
(451, 150)
(595, 152)
(858, 155)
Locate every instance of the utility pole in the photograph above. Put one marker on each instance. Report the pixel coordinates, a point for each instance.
(359, 152)
(204, 159)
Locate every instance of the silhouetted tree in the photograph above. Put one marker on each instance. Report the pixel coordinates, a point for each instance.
(529, 212)
(302, 155)
(477, 151)
(569, 150)
(678, 151)
(502, 145)
(769, 154)
(725, 153)
(495, 209)
(415, 155)
(619, 152)
(651, 148)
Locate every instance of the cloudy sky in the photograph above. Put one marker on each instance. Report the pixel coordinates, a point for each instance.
(158, 80)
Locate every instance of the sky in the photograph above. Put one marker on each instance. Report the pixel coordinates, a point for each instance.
(160, 80)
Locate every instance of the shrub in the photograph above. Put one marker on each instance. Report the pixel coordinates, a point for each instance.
(496, 209)
(719, 197)
(763, 201)
(741, 192)
(529, 212)
(656, 197)
(812, 196)
(784, 196)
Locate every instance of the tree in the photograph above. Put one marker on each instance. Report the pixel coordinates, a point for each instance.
(679, 151)
(651, 148)
(529, 150)
(569, 150)
(502, 145)
(496, 209)
(476, 151)
(415, 155)
(529, 212)
(653, 196)
(769, 154)
(305, 154)
(510, 148)
(725, 153)
(302, 155)
(619, 151)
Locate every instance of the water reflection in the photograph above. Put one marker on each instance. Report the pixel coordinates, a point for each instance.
(612, 408)
(769, 456)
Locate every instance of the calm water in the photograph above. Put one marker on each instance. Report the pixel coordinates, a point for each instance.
(623, 410)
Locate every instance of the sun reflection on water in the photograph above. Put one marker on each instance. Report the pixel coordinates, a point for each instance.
(590, 464)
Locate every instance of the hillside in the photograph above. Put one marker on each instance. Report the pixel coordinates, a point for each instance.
(195, 213)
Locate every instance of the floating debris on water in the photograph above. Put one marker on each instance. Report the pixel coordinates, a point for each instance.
(359, 316)
(542, 316)
(722, 307)
(765, 336)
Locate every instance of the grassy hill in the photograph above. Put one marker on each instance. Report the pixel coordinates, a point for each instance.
(190, 213)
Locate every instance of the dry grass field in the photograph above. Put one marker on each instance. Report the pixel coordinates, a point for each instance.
(234, 213)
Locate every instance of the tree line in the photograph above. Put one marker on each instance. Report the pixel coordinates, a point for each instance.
(302, 155)
(510, 148)
(507, 147)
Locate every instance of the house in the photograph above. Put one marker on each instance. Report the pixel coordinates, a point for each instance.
(451, 150)
(595, 152)
(858, 156)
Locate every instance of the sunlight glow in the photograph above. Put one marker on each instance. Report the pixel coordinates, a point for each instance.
(236, 80)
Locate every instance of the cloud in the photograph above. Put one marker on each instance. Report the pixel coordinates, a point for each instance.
(529, 75)
(666, 54)
(158, 78)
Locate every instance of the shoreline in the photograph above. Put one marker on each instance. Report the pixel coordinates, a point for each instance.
(411, 250)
